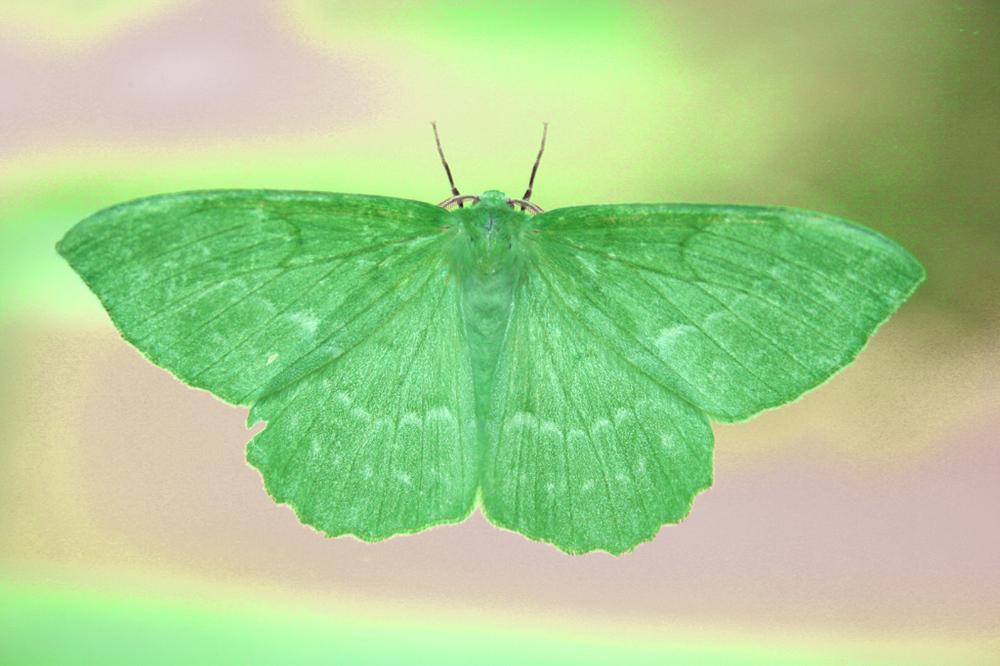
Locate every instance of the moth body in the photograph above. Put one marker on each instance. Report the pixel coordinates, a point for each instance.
(490, 257)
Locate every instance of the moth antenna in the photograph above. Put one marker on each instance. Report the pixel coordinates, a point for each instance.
(534, 169)
(454, 190)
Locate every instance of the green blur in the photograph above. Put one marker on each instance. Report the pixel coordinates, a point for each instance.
(51, 625)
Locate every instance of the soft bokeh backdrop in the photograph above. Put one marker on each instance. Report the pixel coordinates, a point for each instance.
(858, 525)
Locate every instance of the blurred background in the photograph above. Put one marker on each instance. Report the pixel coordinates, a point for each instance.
(858, 525)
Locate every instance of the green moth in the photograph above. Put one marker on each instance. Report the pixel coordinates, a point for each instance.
(556, 369)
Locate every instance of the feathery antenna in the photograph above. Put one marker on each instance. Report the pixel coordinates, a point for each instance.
(454, 190)
(534, 169)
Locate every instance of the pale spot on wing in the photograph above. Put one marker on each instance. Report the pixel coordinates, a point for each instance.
(298, 261)
(411, 418)
(622, 415)
(306, 322)
(713, 319)
(672, 336)
(341, 402)
(520, 426)
(262, 306)
(588, 263)
(602, 428)
(440, 413)
(524, 420)
(360, 414)
(236, 285)
(270, 360)
(669, 444)
(550, 431)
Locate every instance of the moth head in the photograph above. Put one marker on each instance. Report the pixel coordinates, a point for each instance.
(490, 199)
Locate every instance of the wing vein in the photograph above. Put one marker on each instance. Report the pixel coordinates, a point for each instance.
(588, 435)
(804, 267)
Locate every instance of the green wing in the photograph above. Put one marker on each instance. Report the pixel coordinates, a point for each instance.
(331, 315)
(582, 450)
(635, 323)
(735, 308)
